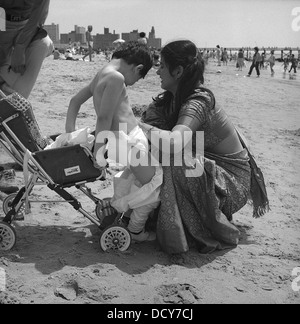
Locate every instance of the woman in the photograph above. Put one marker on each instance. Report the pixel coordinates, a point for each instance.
(195, 210)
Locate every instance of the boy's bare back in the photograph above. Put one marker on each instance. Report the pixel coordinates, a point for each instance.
(111, 100)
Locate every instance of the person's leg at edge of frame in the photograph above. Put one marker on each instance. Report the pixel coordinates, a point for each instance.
(35, 55)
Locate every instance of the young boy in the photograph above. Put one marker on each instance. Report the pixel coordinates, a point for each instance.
(130, 62)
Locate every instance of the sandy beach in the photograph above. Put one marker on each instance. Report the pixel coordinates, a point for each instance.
(57, 258)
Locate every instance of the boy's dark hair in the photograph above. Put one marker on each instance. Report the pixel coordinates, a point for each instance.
(142, 34)
(134, 53)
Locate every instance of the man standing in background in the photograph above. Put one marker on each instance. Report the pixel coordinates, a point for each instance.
(255, 62)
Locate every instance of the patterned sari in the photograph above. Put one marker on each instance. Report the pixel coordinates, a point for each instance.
(197, 211)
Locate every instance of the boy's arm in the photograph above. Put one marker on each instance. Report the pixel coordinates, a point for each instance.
(106, 103)
(74, 106)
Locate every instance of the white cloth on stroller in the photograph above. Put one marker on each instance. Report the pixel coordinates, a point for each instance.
(80, 136)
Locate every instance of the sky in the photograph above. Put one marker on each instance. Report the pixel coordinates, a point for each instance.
(228, 23)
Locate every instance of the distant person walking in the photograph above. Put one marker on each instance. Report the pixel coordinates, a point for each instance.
(285, 65)
(271, 61)
(240, 60)
(294, 64)
(262, 62)
(225, 56)
(255, 62)
(218, 55)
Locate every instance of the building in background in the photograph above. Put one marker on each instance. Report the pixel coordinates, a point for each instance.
(53, 32)
(131, 36)
(77, 36)
(153, 41)
(104, 41)
(100, 41)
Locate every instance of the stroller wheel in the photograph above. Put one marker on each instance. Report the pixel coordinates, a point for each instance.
(115, 238)
(7, 237)
(7, 202)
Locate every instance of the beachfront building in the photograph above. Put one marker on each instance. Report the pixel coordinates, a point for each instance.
(131, 36)
(53, 32)
(78, 35)
(99, 41)
(104, 41)
(153, 41)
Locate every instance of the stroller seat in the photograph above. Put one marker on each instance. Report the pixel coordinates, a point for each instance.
(68, 165)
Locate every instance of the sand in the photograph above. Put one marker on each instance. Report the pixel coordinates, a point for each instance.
(57, 258)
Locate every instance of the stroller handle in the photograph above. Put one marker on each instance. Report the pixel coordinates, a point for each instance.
(2, 94)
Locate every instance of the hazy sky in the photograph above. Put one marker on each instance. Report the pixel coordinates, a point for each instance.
(206, 22)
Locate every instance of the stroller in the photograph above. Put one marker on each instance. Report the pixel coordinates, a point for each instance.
(58, 168)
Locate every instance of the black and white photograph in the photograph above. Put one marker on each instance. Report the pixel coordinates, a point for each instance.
(149, 154)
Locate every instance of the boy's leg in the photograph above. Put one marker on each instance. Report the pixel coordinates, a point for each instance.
(138, 219)
(144, 172)
(35, 55)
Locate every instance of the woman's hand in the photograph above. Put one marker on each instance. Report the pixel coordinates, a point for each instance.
(18, 59)
(145, 127)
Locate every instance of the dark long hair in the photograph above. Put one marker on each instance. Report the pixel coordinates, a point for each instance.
(182, 53)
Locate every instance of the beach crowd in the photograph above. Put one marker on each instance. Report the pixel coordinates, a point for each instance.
(243, 58)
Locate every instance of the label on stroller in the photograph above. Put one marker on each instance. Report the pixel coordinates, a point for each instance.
(72, 171)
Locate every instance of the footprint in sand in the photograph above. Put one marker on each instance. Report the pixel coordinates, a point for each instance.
(178, 294)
